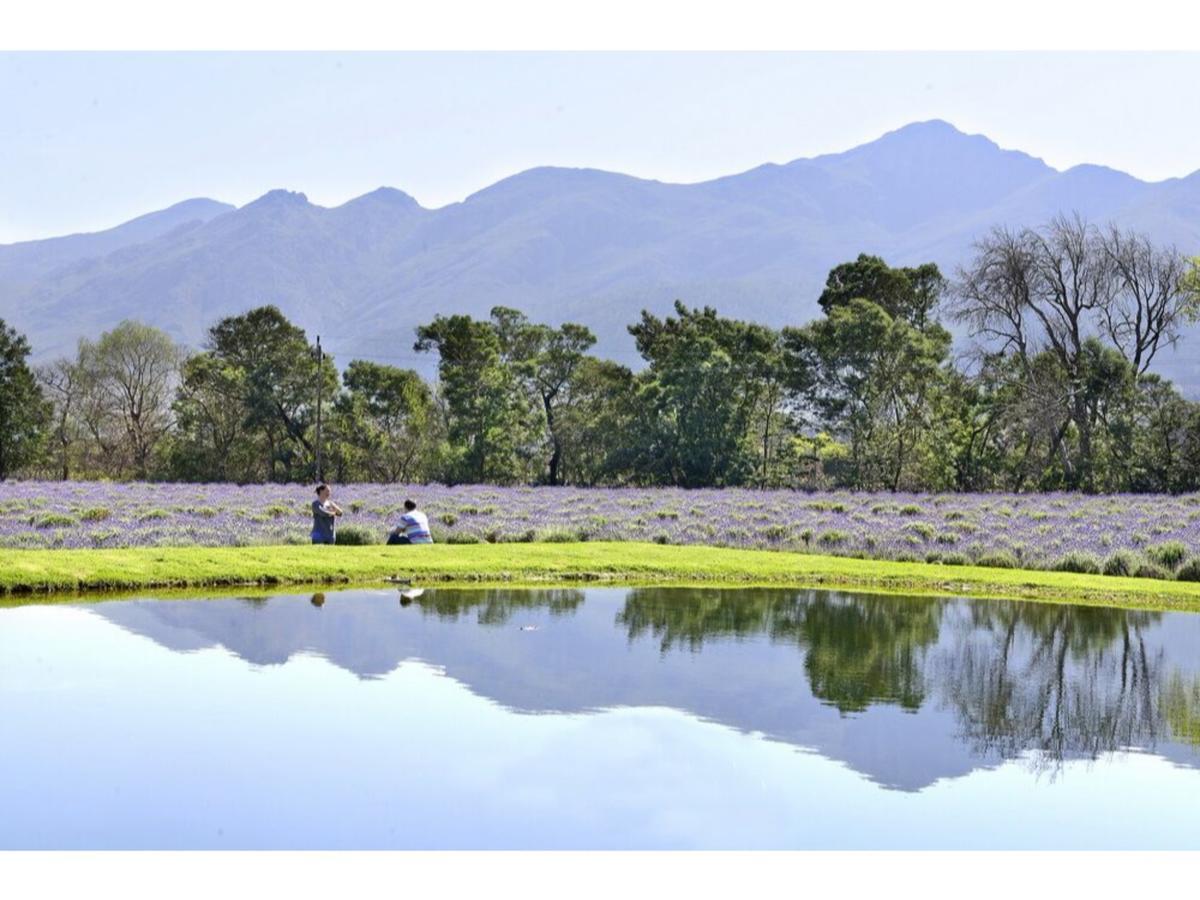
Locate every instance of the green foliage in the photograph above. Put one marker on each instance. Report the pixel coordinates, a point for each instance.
(701, 399)
(461, 537)
(55, 520)
(24, 412)
(1151, 570)
(1169, 555)
(488, 418)
(247, 406)
(1077, 561)
(1123, 563)
(1189, 571)
(355, 536)
(1001, 559)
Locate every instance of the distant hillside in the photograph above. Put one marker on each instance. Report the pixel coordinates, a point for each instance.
(579, 244)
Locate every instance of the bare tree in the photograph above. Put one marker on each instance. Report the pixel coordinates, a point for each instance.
(62, 382)
(1150, 299)
(1051, 291)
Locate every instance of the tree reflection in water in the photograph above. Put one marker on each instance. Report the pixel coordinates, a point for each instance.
(859, 650)
(1067, 681)
(1064, 681)
(1181, 708)
(497, 607)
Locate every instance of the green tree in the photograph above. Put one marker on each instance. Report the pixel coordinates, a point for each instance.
(382, 425)
(487, 418)
(24, 412)
(596, 426)
(252, 393)
(871, 378)
(545, 360)
(700, 396)
(133, 371)
(906, 293)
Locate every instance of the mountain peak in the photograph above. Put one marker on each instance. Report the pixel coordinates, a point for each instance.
(279, 198)
(384, 196)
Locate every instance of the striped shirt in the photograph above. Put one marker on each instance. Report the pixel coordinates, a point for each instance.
(416, 527)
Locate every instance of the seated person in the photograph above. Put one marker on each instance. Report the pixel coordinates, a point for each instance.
(413, 527)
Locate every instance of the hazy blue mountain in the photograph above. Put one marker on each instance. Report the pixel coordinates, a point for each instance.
(580, 244)
(29, 260)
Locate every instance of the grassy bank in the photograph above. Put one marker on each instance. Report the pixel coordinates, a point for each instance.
(51, 571)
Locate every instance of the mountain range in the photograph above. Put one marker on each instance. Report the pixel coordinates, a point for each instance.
(570, 245)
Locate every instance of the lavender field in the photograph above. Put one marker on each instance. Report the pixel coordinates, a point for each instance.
(1153, 536)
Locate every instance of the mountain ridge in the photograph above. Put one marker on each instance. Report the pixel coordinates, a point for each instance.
(558, 242)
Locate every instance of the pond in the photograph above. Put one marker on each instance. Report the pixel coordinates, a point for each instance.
(597, 718)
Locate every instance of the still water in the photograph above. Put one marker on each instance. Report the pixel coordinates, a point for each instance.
(607, 718)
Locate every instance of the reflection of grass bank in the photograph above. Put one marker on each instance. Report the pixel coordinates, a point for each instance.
(45, 571)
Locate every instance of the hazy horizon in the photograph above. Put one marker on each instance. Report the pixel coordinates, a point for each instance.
(102, 138)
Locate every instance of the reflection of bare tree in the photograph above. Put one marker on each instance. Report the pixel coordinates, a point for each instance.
(1066, 681)
(496, 607)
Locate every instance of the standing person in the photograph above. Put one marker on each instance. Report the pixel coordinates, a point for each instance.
(413, 527)
(325, 513)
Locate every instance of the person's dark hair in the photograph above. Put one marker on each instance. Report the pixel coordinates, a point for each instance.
(410, 505)
(322, 487)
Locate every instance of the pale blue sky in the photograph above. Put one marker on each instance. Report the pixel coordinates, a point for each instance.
(90, 140)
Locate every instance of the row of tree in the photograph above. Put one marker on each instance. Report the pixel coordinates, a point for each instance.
(1055, 393)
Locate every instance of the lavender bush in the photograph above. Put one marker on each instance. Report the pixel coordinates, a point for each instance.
(1027, 530)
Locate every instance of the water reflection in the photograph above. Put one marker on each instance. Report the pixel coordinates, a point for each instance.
(905, 690)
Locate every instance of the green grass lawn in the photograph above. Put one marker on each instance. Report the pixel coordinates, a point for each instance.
(56, 571)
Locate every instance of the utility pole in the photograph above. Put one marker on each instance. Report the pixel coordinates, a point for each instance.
(320, 385)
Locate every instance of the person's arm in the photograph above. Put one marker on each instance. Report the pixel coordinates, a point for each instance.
(337, 510)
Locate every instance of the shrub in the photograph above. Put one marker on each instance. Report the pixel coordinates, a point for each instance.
(56, 520)
(448, 519)
(955, 559)
(461, 537)
(95, 514)
(662, 538)
(1000, 559)
(924, 529)
(1190, 570)
(357, 506)
(153, 514)
(775, 532)
(355, 536)
(520, 537)
(1151, 570)
(833, 538)
(1169, 555)
(1078, 561)
(947, 537)
(557, 536)
(1123, 563)
(910, 509)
